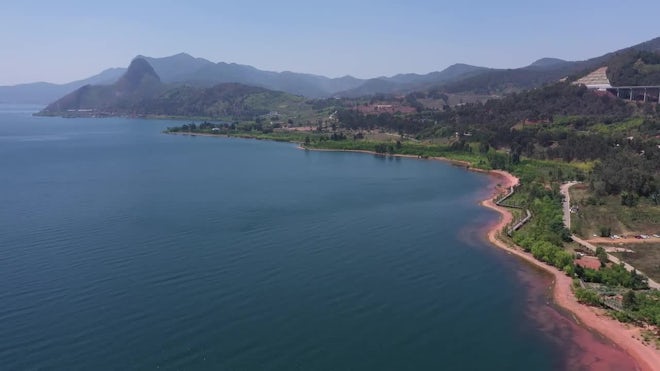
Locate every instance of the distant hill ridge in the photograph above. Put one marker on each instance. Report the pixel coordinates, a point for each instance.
(45, 92)
(547, 62)
(185, 69)
(140, 91)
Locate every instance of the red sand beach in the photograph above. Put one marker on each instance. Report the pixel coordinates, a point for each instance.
(595, 356)
(620, 334)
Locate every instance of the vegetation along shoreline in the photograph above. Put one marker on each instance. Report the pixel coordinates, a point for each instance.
(627, 337)
(545, 126)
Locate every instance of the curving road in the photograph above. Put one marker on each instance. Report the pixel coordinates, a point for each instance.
(564, 189)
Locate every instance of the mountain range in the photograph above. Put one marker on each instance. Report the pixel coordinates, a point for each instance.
(45, 92)
(185, 69)
(140, 92)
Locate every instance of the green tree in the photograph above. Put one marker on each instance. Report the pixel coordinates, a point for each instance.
(587, 296)
(380, 148)
(628, 199)
(602, 256)
(484, 147)
(629, 300)
(605, 231)
(638, 281)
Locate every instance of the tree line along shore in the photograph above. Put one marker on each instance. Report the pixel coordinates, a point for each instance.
(608, 145)
(610, 289)
(545, 137)
(554, 132)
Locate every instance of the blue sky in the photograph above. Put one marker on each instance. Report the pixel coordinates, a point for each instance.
(60, 41)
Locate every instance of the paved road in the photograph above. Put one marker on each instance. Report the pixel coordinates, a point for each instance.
(564, 189)
(567, 202)
(626, 240)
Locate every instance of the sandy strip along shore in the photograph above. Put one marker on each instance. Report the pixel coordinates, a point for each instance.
(622, 335)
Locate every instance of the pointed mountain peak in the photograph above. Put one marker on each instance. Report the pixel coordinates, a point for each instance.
(140, 65)
(139, 72)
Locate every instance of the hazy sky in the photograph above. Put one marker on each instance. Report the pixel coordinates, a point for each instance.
(65, 40)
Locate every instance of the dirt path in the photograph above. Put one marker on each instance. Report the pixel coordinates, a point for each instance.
(565, 191)
(611, 241)
(625, 337)
(567, 203)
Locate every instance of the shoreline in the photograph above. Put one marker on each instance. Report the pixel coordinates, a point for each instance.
(625, 337)
(461, 163)
(190, 134)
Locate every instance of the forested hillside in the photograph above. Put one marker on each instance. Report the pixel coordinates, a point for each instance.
(634, 68)
(228, 101)
(559, 122)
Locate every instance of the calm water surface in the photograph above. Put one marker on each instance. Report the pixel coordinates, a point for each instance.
(124, 248)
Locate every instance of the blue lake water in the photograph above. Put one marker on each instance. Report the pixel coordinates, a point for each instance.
(125, 248)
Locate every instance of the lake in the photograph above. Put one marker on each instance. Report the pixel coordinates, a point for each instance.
(125, 248)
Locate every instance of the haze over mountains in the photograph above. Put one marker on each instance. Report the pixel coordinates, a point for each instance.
(185, 69)
(140, 91)
(45, 92)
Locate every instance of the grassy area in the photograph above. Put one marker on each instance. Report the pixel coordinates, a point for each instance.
(405, 148)
(518, 214)
(393, 145)
(596, 213)
(517, 199)
(646, 257)
(546, 171)
(279, 136)
(528, 170)
(620, 128)
(544, 236)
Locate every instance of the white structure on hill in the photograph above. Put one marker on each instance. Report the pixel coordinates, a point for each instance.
(596, 80)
